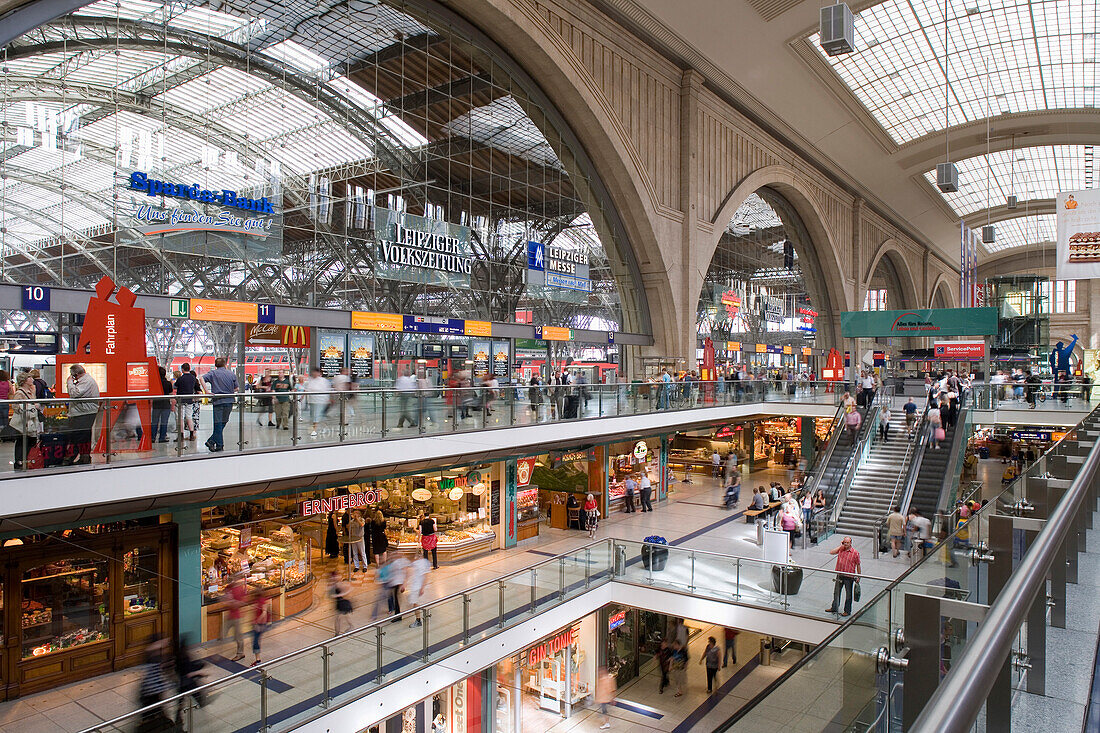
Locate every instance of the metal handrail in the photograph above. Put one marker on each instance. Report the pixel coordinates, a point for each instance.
(920, 444)
(826, 455)
(953, 473)
(955, 704)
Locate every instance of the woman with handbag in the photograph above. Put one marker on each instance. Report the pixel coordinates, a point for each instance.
(25, 420)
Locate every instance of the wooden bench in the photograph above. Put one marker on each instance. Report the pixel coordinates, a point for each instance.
(751, 514)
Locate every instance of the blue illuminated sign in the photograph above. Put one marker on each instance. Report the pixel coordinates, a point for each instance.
(536, 256)
(139, 181)
(36, 298)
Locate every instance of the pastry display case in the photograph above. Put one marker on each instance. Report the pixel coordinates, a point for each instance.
(527, 513)
(64, 605)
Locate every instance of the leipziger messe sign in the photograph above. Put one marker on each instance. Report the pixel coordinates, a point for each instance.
(929, 322)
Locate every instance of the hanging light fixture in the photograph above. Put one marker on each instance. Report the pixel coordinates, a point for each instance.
(837, 30)
(947, 174)
(989, 232)
(1011, 201)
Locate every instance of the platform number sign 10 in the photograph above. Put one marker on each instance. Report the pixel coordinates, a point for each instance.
(36, 298)
(265, 314)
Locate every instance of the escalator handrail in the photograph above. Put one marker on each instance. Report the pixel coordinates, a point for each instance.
(827, 455)
(920, 444)
(953, 472)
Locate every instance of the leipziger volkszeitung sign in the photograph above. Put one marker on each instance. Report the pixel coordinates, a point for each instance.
(438, 249)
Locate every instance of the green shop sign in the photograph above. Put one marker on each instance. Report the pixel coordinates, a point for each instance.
(930, 322)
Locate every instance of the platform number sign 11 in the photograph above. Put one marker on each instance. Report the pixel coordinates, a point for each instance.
(36, 298)
(265, 314)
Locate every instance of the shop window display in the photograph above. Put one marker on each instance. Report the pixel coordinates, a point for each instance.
(636, 457)
(281, 559)
(140, 584)
(65, 605)
(458, 502)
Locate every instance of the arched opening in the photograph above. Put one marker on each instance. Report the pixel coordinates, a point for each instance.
(763, 286)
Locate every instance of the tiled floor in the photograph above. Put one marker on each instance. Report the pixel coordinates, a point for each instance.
(693, 514)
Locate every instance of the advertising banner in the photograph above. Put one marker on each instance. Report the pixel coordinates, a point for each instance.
(502, 359)
(331, 347)
(420, 249)
(557, 267)
(959, 350)
(930, 322)
(266, 335)
(525, 468)
(1078, 221)
(361, 351)
(482, 354)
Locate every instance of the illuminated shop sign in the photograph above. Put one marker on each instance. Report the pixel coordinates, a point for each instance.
(557, 267)
(616, 620)
(338, 503)
(551, 647)
(407, 240)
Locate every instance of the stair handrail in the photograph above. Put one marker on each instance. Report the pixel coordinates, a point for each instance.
(855, 460)
(826, 455)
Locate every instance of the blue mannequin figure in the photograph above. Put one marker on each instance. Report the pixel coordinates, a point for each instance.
(1059, 358)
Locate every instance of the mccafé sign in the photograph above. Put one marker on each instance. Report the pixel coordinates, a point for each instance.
(338, 503)
(268, 334)
(551, 647)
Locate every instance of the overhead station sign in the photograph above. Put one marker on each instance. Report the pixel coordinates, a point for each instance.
(959, 350)
(928, 322)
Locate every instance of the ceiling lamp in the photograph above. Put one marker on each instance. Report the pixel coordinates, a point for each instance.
(989, 232)
(837, 30)
(947, 174)
(1011, 201)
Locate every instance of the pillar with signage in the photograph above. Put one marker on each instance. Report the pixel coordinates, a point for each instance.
(509, 519)
(189, 589)
(662, 489)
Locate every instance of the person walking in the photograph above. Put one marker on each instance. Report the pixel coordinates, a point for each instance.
(429, 540)
(678, 667)
(852, 420)
(646, 488)
(848, 572)
(414, 586)
(884, 423)
(712, 658)
(379, 542)
(591, 515)
(935, 425)
(664, 661)
(394, 580)
(731, 647)
(317, 389)
(236, 598)
(406, 393)
(338, 589)
(154, 686)
(910, 410)
(263, 391)
(895, 529)
(716, 464)
(605, 694)
(731, 465)
(223, 385)
(534, 394)
(261, 620)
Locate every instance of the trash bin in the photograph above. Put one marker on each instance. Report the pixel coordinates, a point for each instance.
(765, 653)
(620, 560)
(983, 451)
(786, 579)
(654, 557)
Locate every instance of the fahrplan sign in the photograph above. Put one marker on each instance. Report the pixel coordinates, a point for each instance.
(556, 267)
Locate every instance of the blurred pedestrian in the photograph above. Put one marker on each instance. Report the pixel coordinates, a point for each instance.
(605, 694)
(154, 686)
(414, 586)
(339, 590)
(261, 620)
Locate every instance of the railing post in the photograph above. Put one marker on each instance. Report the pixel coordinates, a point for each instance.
(561, 578)
(383, 413)
(513, 395)
(737, 587)
(500, 604)
(107, 433)
(325, 679)
(295, 406)
(179, 432)
(427, 614)
(263, 699)
(691, 584)
(378, 634)
(465, 618)
(600, 403)
(420, 413)
(343, 417)
(587, 567)
(240, 424)
(534, 589)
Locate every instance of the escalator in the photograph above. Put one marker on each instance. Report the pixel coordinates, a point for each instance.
(939, 469)
(836, 460)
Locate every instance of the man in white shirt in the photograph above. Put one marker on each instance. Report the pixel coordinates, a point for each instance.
(317, 397)
(646, 490)
(716, 464)
(406, 393)
(867, 383)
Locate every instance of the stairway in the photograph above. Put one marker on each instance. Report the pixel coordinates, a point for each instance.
(872, 488)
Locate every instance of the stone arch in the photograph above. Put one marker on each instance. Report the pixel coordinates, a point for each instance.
(890, 254)
(822, 270)
(942, 289)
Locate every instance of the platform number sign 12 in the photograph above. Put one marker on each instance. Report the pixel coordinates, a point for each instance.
(36, 298)
(265, 314)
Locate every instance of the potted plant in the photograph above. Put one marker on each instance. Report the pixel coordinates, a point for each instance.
(654, 552)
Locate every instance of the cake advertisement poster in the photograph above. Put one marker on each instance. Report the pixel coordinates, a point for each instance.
(1078, 234)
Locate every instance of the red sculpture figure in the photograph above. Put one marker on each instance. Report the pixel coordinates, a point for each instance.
(112, 349)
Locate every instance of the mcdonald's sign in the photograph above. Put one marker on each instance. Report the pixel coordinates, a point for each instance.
(271, 336)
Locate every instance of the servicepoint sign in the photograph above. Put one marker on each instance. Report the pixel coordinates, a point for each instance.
(926, 322)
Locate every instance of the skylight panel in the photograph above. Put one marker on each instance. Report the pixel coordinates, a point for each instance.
(298, 56)
(215, 89)
(1023, 231)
